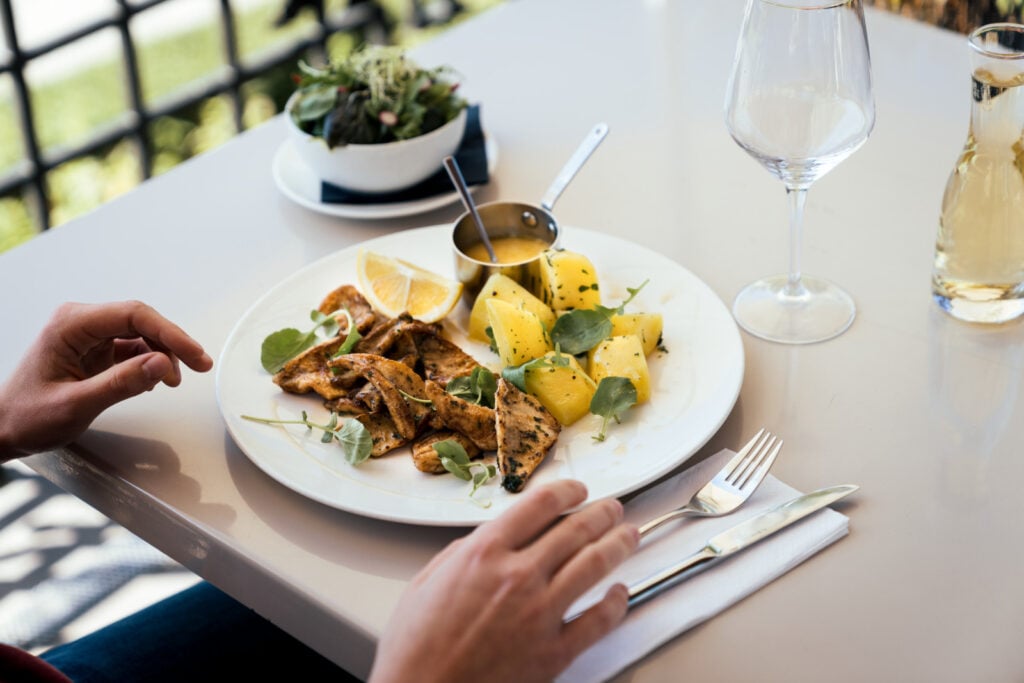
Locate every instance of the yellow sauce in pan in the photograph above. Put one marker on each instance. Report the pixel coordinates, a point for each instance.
(509, 249)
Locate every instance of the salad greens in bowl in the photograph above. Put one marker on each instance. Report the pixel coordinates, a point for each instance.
(375, 122)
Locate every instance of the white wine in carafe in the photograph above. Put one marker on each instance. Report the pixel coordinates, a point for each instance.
(979, 254)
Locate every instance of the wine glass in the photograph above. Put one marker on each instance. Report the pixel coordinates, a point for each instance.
(799, 101)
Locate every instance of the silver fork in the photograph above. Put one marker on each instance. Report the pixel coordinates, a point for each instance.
(731, 486)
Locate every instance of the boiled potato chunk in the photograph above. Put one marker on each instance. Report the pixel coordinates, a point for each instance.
(622, 357)
(567, 281)
(502, 287)
(647, 326)
(518, 333)
(565, 390)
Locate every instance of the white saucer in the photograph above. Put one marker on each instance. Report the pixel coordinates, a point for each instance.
(300, 184)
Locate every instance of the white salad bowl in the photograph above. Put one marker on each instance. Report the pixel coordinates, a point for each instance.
(384, 167)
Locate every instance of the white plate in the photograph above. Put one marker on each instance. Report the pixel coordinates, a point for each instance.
(694, 387)
(299, 183)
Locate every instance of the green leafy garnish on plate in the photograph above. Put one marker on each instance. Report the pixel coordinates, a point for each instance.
(353, 436)
(281, 346)
(455, 459)
(478, 387)
(614, 396)
(580, 330)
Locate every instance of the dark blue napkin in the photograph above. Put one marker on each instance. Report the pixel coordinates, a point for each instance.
(472, 158)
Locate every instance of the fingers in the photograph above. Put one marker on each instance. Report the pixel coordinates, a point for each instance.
(593, 563)
(129, 348)
(538, 509)
(574, 532)
(595, 622)
(89, 324)
(121, 381)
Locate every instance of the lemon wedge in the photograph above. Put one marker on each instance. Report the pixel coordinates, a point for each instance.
(393, 286)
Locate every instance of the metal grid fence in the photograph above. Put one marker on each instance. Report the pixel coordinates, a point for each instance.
(362, 15)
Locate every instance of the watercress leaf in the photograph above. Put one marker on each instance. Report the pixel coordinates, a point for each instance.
(479, 477)
(355, 441)
(581, 330)
(614, 396)
(332, 424)
(516, 374)
(486, 385)
(478, 387)
(489, 331)
(351, 339)
(632, 295)
(455, 468)
(461, 387)
(453, 450)
(281, 346)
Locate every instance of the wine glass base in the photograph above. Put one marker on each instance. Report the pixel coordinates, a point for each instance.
(818, 311)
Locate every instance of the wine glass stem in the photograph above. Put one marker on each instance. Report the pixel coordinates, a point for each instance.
(797, 197)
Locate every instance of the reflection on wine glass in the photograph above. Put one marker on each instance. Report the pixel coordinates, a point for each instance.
(799, 101)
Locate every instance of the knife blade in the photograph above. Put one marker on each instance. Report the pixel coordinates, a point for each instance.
(737, 538)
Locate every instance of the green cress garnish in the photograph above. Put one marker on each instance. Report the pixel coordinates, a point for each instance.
(614, 396)
(455, 459)
(580, 330)
(353, 436)
(478, 387)
(281, 346)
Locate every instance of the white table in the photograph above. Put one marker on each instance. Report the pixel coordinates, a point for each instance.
(921, 411)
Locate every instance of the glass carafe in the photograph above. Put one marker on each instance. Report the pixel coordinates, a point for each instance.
(979, 254)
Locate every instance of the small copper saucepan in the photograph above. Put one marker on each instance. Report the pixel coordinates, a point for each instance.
(515, 219)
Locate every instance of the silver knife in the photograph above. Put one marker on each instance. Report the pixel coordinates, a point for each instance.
(737, 538)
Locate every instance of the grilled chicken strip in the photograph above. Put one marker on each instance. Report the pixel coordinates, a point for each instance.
(383, 433)
(308, 372)
(442, 360)
(348, 298)
(476, 422)
(392, 379)
(425, 457)
(526, 432)
(389, 338)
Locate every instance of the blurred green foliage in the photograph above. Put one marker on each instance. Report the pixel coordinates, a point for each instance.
(69, 110)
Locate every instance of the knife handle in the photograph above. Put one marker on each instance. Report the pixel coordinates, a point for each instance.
(642, 591)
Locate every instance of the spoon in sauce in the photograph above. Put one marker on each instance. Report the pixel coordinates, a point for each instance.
(455, 173)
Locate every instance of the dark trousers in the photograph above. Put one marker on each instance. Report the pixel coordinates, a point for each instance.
(197, 635)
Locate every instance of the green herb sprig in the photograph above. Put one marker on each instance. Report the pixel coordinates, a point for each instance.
(516, 374)
(281, 346)
(455, 459)
(580, 330)
(614, 396)
(351, 339)
(354, 437)
(478, 387)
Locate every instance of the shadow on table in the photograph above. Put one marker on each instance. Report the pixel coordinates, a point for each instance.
(152, 465)
(375, 539)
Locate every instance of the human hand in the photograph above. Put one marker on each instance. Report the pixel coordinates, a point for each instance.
(87, 358)
(490, 606)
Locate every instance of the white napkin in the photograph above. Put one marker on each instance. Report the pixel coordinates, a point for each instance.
(702, 596)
